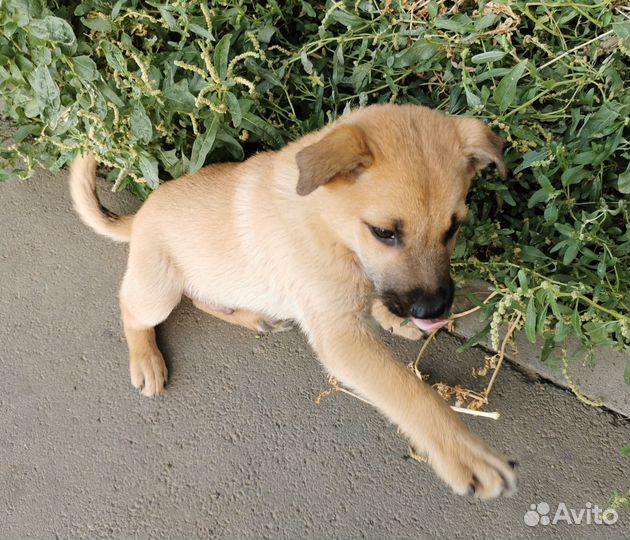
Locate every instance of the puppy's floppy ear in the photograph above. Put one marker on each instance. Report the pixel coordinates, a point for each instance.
(481, 146)
(344, 151)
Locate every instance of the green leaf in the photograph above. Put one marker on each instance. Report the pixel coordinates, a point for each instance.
(338, 61)
(532, 254)
(168, 158)
(307, 9)
(574, 175)
(551, 213)
(168, 17)
(235, 109)
(360, 75)
(32, 108)
(99, 24)
(201, 31)
(114, 56)
(531, 157)
(571, 253)
(22, 11)
(202, 146)
(116, 8)
(306, 63)
(23, 132)
(485, 22)
(459, 23)
(266, 33)
(565, 230)
(530, 320)
(52, 29)
(561, 332)
(416, 55)
(623, 181)
(149, 168)
(537, 197)
(490, 56)
(349, 20)
(523, 281)
(230, 144)
(622, 29)
(576, 322)
(547, 349)
(140, 123)
(264, 130)
(221, 55)
(474, 340)
(46, 90)
(505, 92)
(109, 94)
(85, 68)
(602, 122)
(540, 319)
(484, 75)
(473, 100)
(598, 333)
(179, 98)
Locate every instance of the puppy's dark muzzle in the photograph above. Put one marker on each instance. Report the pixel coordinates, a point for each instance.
(434, 305)
(421, 303)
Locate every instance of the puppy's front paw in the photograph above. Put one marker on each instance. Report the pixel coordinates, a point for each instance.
(148, 373)
(396, 325)
(471, 467)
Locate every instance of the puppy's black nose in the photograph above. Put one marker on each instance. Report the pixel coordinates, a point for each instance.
(429, 310)
(434, 305)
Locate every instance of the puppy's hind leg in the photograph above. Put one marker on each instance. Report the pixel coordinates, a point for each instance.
(249, 319)
(150, 290)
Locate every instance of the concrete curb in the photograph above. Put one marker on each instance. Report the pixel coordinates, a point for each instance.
(601, 380)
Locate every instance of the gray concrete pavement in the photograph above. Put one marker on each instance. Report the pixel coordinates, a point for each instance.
(237, 448)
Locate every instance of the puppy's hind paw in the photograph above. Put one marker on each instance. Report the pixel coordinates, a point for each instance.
(268, 326)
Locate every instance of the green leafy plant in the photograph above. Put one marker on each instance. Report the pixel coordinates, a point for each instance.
(157, 89)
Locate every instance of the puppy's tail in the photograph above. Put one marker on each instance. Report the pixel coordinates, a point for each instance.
(87, 205)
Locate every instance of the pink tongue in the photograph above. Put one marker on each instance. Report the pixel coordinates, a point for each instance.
(429, 325)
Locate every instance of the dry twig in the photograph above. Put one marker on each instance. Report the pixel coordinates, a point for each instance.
(473, 400)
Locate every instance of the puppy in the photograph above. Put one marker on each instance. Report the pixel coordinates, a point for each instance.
(366, 208)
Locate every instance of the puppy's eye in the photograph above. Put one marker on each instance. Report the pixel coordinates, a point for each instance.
(386, 236)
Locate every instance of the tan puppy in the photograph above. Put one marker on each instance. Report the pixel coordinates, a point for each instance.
(366, 208)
